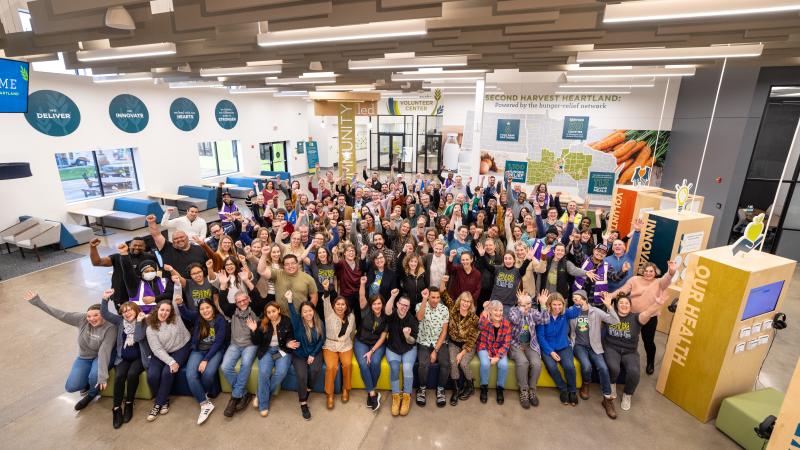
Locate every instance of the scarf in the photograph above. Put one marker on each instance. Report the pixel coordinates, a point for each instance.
(129, 328)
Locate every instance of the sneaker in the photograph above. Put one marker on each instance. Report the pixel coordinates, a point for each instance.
(127, 412)
(613, 391)
(165, 408)
(376, 401)
(523, 399)
(584, 391)
(264, 413)
(116, 419)
(626, 402)
(533, 398)
(500, 398)
(255, 402)
(84, 391)
(421, 397)
(369, 401)
(243, 402)
(205, 410)
(484, 393)
(84, 402)
(305, 411)
(608, 404)
(564, 397)
(441, 399)
(154, 413)
(573, 398)
(230, 409)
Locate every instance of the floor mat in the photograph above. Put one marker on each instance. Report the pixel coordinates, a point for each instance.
(14, 265)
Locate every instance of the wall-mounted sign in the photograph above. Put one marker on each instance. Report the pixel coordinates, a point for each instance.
(184, 114)
(347, 140)
(324, 108)
(517, 169)
(508, 130)
(300, 147)
(52, 113)
(601, 183)
(416, 107)
(13, 86)
(128, 113)
(226, 114)
(575, 127)
(312, 155)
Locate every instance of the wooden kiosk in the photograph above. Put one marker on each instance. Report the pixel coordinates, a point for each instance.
(722, 328)
(630, 202)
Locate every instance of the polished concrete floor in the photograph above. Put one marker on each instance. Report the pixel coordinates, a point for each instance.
(36, 413)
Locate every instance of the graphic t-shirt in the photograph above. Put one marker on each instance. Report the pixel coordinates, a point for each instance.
(375, 287)
(582, 329)
(193, 293)
(625, 334)
(206, 343)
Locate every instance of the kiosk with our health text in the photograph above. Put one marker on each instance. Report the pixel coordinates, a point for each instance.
(722, 327)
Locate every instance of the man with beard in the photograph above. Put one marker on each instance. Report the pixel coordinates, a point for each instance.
(136, 253)
(180, 252)
(379, 245)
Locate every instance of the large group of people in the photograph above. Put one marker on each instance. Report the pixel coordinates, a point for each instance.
(420, 271)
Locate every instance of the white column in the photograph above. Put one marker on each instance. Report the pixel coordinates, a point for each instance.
(471, 166)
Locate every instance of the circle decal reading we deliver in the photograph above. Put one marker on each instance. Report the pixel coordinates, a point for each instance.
(184, 114)
(52, 113)
(128, 113)
(226, 114)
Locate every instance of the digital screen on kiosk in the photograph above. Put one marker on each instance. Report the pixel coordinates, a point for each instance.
(762, 299)
(13, 86)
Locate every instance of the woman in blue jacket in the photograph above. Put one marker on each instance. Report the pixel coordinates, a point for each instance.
(553, 339)
(132, 354)
(209, 333)
(307, 358)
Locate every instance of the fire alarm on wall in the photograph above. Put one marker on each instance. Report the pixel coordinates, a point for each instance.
(719, 180)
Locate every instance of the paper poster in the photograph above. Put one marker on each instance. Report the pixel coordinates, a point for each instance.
(691, 242)
(601, 183)
(575, 128)
(508, 130)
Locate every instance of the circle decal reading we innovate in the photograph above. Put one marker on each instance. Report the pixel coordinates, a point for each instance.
(128, 113)
(226, 114)
(184, 114)
(52, 113)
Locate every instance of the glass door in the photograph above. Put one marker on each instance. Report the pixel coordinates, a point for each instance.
(390, 147)
(273, 156)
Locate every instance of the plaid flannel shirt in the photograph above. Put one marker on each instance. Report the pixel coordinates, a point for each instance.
(497, 347)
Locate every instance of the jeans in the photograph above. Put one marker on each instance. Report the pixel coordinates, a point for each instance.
(569, 370)
(268, 382)
(589, 358)
(502, 369)
(127, 375)
(454, 349)
(201, 383)
(238, 381)
(407, 359)
(424, 358)
(528, 365)
(83, 375)
(648, 334)
(372, 371)
(627, 358)
(306, 374)
(160, 377)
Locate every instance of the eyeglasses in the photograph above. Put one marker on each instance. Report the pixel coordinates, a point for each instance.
(403, 305)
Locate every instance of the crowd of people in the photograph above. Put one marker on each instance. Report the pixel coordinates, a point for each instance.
(426, 271)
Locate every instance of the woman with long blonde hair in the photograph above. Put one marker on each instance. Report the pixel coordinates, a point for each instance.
(462, 333)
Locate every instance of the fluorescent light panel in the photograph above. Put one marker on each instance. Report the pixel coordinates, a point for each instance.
(361, 32)
(133, 51)
(252, 90)
(288, 81)
(462, 75)
(592, 86)
(639, 72)
(318, 75)
(195, 84)
(408, 63)
(123, 77)
(660, 54)
(238, 71)
(290, 94)
(688, 9)
(346, 87)
(591, 92)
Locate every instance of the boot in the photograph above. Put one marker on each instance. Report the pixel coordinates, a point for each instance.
(650, 368)
(523, 398)
(608, 404)
(532, 397)
(395, 405)
(345, 395)
(469, 389)
(330, 401)
(585, 390)
(484, 393)
(117, 417)
(457, 389)
(405, 404)
(230, 409)
(500, 398)
(127, 413)
(243, 402)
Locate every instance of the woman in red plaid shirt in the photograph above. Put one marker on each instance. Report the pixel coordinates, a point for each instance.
(494, 339)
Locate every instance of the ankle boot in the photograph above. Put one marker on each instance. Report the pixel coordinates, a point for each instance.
(330, 401)
(117, 417)
(405, 404)
(396, 404)
(127, 412)
(484, 393)
(469, 389)
(458, 388)
(500, 398)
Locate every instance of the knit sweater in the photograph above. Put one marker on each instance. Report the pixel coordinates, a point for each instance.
(168, 338)
(644, 293)
(333, 327)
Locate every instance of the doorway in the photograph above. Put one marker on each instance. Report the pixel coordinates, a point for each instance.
(390, 148)
(273, 156)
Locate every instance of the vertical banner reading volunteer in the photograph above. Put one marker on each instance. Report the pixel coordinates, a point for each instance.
(347, 139)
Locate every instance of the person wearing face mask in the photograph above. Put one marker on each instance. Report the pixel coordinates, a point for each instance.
(274, 337)
(169, 341)
(136, 253)
(209, 335)
(338, 348)
(553, 338)
(369, 342)
(145, 288)
(178, 253)
(621, 344)
(585, 331)
(506, 276)
(557, 269)
(96, 339)
(462, 331)
(643, 291)
(621, 260)
(307, 357)
(133, 355)
(524, 348)
(402, 329)
(494, 340)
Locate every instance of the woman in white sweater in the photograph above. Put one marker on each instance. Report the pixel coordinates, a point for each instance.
(169, 342)
(340, 325)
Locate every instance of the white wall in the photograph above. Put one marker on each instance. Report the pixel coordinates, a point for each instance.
(456, 107)
(166, 157)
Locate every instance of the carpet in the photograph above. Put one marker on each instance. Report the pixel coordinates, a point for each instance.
(13, 265)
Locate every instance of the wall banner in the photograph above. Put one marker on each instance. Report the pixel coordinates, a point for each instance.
(347, 139)
(128, 113)
(518, 170)
(312, 156)
(429, 106)
(601, 183)
(575, 128)
(52, 113)
(184, 114)
(226, 114)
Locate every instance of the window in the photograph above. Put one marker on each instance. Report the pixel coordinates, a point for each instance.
(95, 174)
(218, 158)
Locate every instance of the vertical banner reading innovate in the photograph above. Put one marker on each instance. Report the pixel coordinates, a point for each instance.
(347, 139)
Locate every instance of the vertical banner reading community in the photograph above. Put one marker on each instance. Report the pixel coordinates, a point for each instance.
(347, 139)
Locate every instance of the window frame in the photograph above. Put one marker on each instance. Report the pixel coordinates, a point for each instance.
(215, 154)
(96, 164)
